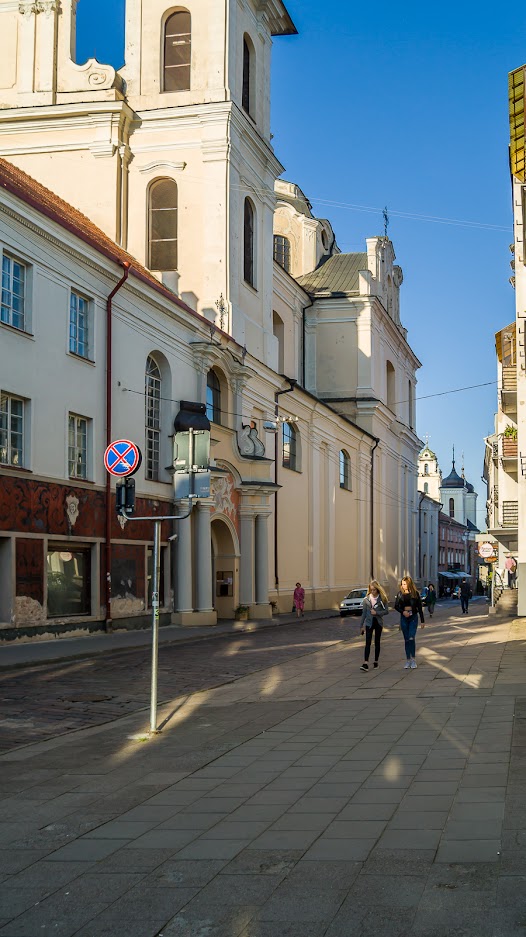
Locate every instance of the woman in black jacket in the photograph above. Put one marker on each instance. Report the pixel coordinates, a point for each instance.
(410, 607)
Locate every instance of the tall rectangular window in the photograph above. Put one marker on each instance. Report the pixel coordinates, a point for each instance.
(11, 430)
(152, 418)
(77, 446)
(12, 309)
(282, 251)
(79, 325)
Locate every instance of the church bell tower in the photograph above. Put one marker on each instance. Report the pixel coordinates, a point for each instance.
(171, 155)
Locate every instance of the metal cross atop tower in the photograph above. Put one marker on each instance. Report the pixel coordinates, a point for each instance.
(386, 220)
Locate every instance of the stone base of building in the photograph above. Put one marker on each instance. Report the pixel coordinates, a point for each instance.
(260, 611)
(195, 619)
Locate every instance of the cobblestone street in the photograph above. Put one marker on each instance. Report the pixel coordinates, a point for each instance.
(290, 795)
(47, 700)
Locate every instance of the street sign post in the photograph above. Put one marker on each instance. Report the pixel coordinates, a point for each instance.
(122, 458)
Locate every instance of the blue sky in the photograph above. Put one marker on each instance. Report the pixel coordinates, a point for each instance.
(404, 106)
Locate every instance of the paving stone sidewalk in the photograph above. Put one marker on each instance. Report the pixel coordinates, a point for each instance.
(306, 800)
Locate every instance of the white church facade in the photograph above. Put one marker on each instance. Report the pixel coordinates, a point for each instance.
(237, 297)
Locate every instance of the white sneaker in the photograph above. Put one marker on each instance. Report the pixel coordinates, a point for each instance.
(407, 665)
(413, 665)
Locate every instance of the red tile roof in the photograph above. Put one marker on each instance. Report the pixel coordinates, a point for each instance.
(33, 193)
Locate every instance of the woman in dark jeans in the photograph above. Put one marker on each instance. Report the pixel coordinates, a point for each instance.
(408, 603)
(375, 606)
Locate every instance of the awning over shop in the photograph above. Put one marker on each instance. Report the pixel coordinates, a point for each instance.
(449, 575)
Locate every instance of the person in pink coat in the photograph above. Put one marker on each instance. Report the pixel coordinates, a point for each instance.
(299, 599)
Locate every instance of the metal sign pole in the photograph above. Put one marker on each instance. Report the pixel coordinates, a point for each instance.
(156, 564)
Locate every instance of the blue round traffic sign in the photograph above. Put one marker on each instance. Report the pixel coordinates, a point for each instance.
(122, 458)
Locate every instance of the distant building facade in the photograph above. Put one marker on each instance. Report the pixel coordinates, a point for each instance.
(501, 462)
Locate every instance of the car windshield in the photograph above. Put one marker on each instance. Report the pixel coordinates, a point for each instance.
(357, 594)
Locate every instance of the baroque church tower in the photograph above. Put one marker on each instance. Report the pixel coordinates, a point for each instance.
(171, 155)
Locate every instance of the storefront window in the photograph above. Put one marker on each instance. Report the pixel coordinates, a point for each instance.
(68, 581)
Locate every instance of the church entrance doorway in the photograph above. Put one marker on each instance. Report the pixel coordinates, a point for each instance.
(225, 567)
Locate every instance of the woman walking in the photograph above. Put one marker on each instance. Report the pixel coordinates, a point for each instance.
(410, 607)
(431, 599)
(375, 606)
(299, 599)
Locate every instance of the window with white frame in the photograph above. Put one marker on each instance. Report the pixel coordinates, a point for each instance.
(290, 447)
(345, 470)
(79, 324)
(11, 430)
(152, 418)
(77, 446)
(13, 306)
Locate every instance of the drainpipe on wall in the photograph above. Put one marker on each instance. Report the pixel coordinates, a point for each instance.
(109, 336)
(373, 450)
(278, 393)
(421, 498)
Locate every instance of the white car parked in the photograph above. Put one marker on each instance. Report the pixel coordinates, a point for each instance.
(352, 604)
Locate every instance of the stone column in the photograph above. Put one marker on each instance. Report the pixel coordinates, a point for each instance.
(262, 566)
(204, 557)
(246, 565)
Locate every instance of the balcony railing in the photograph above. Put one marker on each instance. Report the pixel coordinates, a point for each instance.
(510, 513)
(509, 379)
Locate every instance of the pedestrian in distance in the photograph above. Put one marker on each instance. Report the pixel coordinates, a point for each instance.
(409, 604)
(510, 566)
(465, 595)
(299, 600)
(431, 599)
(375, 606)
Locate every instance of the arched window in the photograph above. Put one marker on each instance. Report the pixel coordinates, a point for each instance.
(162, 225)
(247, 92)
(152, 417)
(426, 469)
(451, 507)
(426, 488)
(177, 52)
(290, 458)
(213, 397)
(345, 470)
(282, 251)
(390, 382)
(248, 243)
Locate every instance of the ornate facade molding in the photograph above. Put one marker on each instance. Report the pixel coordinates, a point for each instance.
(162, 164)
(27, 8)
(47, 7)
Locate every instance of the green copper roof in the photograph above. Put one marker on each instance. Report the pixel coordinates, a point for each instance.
(335, 275)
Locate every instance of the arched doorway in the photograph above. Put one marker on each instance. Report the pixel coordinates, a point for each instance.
(225, 566)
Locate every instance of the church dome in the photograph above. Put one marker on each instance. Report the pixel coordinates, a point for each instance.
(453, 480)
(470, 487)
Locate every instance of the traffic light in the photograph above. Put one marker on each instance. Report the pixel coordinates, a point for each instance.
(125, 497)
